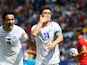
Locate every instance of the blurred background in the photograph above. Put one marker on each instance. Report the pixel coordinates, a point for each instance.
(70, 14)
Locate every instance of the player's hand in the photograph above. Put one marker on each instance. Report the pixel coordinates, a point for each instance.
(72, 55)
(51, 45)
(43, 18)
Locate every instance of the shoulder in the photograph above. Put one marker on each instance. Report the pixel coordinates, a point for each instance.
(34, 26)
(1, 27)
(16, 27)
(54, 24)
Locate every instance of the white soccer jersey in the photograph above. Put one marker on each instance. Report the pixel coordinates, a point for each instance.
(10, 46)
(46, 35)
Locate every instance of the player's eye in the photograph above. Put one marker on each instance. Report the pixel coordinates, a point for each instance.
(46, 13)
(9, 19)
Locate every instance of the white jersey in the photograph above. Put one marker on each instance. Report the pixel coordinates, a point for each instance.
(10, 46)
(46, 35)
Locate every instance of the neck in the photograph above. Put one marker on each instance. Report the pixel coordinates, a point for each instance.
(46, 24)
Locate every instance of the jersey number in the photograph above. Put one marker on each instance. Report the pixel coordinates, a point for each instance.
(46, 35)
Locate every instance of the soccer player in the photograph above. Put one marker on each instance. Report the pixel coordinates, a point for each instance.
(48, 36)
(11, 37)
(82, 48)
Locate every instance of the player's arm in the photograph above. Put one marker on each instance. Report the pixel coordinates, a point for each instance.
(31, 44)
(84, 50)
(24, 38)
(59, 35)
(57, 41)
(59, 38)
(37, 28)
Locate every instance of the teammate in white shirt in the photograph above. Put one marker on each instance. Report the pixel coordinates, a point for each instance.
(11, 37)
(47, 35)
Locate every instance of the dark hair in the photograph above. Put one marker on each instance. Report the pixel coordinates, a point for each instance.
(43, 8)
(5, 13)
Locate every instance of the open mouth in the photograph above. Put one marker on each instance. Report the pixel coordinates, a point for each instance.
(10, 24)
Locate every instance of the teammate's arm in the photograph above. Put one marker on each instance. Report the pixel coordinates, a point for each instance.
(24, 38)
(31, 44)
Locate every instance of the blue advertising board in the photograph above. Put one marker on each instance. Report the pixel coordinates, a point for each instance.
(65, 62)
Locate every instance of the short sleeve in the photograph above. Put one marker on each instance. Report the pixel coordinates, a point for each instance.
(57, 28)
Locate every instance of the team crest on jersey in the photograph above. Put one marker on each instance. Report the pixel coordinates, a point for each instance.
(49, 30)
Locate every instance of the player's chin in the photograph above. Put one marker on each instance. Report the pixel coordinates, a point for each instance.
(48, 20)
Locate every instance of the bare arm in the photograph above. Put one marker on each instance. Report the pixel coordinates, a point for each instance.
(36, 30)
(57, 41)
(30, 44)
(84, 50)
(59, 38)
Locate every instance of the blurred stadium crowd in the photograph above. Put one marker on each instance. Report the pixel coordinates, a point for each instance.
(70, 14)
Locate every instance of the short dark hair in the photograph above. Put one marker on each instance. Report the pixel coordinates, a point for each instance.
(43, 8)
(8, 12)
